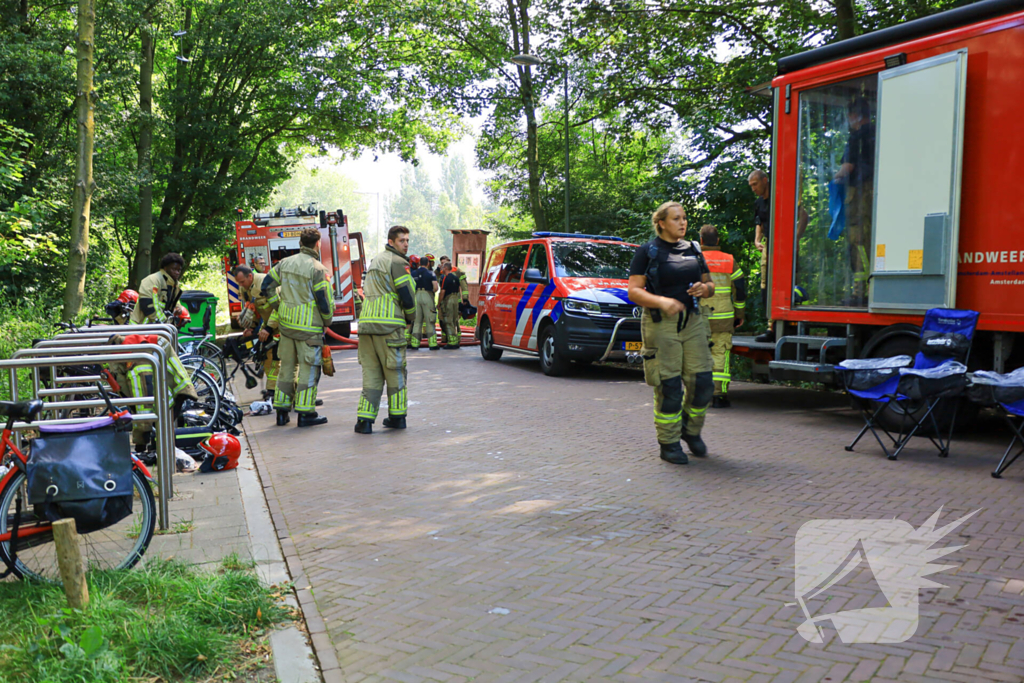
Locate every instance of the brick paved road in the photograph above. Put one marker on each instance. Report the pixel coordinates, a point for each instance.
(523, 529)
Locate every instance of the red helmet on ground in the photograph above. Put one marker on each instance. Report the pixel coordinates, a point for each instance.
(223, 451)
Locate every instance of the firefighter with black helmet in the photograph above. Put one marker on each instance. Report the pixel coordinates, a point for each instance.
(668, 277)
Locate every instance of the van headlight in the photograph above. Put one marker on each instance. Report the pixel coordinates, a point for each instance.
(580, 306)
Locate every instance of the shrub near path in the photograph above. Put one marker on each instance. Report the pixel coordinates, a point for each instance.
(167, 622)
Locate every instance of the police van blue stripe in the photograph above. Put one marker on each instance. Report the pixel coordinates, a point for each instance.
(522, 302)
(543, 300)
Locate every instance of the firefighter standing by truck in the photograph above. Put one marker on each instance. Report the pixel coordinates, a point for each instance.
(426, 312)
(725, 310)
(256, 309)
(390, 305)
(667, 277)
(453, 291)
(299, 289)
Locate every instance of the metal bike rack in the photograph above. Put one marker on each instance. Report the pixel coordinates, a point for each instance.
(83, 354)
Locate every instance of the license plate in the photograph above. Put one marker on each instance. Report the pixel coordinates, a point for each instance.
(631, 346)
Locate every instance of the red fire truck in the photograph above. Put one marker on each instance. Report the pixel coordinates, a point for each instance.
(272, 236)
(896, 163)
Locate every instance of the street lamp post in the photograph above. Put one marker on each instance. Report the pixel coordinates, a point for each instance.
(531, 60)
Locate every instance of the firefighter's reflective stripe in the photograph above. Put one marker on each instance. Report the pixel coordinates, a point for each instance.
(737, 274)
(667, 418)
(382, 309)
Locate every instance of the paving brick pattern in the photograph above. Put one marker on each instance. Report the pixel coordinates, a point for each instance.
(524, 529)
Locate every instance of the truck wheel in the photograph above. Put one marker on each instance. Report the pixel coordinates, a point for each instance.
(487, 349)
(551, 362)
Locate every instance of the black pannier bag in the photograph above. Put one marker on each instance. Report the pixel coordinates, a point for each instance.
(82, 471)
(864, 374)
(943, 381)
(988, 388)
(939, 344)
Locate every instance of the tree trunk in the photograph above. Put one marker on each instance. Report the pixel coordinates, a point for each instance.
(74, 290)
(143, 258)
(846, 19)
(519, 22)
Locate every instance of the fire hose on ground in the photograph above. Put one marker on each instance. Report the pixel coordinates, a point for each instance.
(468, 338)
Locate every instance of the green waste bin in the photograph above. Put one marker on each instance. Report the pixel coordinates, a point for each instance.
(202, 306)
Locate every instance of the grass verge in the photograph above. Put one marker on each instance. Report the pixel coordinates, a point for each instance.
(168, 621)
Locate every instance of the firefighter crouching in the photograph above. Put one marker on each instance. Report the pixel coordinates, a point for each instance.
(158, 300)
(667, 277)
(299, 290)
(257, 317)
(724, 310)
(454, 290)
(389, 306)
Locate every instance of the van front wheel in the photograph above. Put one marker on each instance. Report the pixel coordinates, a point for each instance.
(487, 349)
(552, 363)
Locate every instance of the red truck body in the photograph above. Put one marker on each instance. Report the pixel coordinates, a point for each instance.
(814, 96)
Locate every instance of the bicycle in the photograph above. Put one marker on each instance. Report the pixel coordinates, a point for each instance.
(26, 536)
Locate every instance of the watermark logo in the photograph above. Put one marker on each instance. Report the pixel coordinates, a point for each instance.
(898, 557)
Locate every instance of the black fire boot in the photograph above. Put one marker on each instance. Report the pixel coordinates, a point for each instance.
(394, 422)
(695, 444)
(282, 418)
(319, 402)
(364, 427)
(766, 338)
(720, 402)
(311, 419)
(673, 453)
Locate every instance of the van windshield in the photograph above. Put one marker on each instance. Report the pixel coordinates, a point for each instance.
(592, 259)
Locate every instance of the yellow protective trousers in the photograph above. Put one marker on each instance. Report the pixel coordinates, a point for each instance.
(383, 359)
(721, 352)
(426, 317)
(677, 364)
(450, 311)
(299, 375)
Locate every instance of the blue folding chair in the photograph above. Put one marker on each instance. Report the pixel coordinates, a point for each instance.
(1006, 393)
(938, 373)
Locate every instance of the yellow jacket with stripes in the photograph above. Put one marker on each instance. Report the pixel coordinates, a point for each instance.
(299, 291)
(729, 300)
(390, 294)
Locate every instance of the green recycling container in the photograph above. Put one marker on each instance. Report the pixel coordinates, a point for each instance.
(202, 306)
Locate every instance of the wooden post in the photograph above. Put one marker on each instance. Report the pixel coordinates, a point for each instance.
(69, 559)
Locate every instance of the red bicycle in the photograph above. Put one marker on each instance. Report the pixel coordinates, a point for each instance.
(26, 536)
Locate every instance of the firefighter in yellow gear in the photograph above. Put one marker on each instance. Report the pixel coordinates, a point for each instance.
(667, 277)
(257, 317)
(724, 311)
(453, 290)
(426, 312)
(390, 305)
(298, 290)
(159, 293)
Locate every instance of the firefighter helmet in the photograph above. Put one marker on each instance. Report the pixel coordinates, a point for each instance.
(222, 453)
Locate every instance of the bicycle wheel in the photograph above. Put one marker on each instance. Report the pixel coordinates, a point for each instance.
(197, 362)
(202, 412)
(116, 547)
(215, 353)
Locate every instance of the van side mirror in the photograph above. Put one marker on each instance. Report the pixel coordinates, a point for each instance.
(534, 275)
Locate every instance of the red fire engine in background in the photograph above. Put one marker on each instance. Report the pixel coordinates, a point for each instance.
(273, 236)
(941, 156)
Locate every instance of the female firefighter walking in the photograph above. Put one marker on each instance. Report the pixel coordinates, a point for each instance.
(667, 277)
